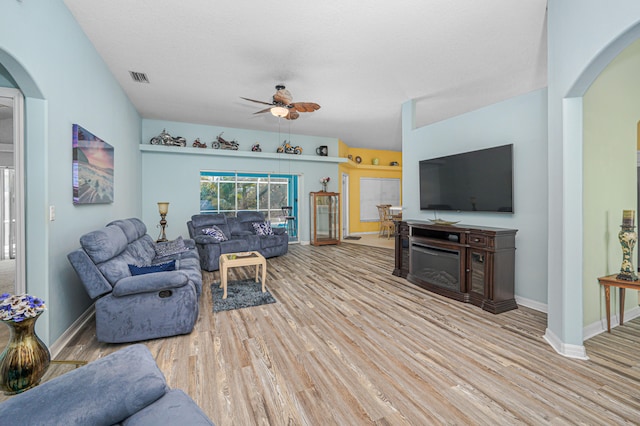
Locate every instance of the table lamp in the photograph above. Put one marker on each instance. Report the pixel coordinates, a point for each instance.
(163, 209)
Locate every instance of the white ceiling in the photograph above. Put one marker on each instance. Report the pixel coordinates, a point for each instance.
(359, 60)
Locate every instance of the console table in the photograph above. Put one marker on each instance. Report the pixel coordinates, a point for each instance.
(612, 281)
(471, 264)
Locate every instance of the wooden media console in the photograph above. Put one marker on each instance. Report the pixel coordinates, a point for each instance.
(466, 263)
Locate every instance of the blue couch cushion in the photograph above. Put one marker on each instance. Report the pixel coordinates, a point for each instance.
(161, 267)
(133, 228)
(246, 219)
(235, 227)
(202, 221)
(104, 392)
(143, 250)
(104, 244)
(235, 245)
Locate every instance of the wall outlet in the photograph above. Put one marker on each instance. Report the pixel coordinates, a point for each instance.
(52, 213)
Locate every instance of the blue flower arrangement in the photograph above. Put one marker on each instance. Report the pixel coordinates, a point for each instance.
(18, 308)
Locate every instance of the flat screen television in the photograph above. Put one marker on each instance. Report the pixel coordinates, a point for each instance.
(472, 181)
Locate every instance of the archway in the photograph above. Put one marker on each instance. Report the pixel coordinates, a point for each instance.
(35, 187)
(568, 318)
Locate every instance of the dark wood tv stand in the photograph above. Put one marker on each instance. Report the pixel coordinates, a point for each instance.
(467, 263)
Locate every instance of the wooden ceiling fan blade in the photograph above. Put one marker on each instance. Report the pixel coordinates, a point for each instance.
(305, 106)
(258, 102)
(262, 111)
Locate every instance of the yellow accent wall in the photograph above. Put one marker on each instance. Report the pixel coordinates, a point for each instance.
(368, 170)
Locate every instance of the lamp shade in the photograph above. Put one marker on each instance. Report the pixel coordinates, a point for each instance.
(163, 207)
(279, 111)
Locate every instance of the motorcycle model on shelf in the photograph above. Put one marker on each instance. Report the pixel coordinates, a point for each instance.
(198, 144)
(286, 148)
(221, 143)
(165, 138)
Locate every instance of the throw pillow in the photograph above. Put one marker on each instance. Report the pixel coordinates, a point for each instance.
(263, 228)
(216, 233)
(161, 267)
(170, 247)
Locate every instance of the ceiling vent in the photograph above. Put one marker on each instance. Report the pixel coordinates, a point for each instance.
(139, 77)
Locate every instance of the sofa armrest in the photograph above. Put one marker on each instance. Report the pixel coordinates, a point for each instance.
(149, 283)
(175, 407)
(103, 392)
(90, 276)
(191, 244)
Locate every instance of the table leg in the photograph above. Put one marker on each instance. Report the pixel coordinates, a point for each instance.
(223, 279)
(264, 275)
(622, 292)
(607, 298)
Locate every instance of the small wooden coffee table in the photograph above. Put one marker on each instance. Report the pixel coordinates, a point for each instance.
(233, 260)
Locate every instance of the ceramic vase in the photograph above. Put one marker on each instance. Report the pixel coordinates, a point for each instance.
(24, 360)
(628, 238)
(324, 187)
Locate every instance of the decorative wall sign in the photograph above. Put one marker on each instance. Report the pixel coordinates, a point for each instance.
(92, 168)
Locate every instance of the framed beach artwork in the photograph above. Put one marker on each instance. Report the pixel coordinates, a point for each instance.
(92, 168)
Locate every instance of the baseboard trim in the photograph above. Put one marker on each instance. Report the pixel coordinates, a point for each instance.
(600, 326)
(70, 332)
(569, 351)
(533, 304)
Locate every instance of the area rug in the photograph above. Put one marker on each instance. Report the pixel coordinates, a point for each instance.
(240, 294)
(352, 237)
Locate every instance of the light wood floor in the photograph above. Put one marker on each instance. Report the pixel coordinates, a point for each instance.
(347, 343)
(373, 240)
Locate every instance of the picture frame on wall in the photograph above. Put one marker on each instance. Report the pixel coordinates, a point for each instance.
(93, 168)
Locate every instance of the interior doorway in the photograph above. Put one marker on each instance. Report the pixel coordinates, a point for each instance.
(345, 205)
(12, 271)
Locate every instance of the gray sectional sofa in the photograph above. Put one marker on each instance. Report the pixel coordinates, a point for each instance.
(132, 307)
(123, 388)
(240, 236)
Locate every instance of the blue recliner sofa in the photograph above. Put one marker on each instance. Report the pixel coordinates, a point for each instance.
(239, 236)
(123, 388)
(131, 307)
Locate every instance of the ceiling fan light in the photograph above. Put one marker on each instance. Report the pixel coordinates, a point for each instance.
(279, 111)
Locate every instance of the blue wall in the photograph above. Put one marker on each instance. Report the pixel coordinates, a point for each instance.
(64, 82)
(173, 175)
(520, 121)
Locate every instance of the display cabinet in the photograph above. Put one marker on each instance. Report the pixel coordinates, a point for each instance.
(325, 218)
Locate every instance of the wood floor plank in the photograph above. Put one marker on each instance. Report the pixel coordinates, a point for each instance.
(348, 343)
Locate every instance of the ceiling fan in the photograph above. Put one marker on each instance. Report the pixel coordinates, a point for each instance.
(282, 107)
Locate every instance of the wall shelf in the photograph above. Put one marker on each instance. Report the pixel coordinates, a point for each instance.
(352, 164)
(231, 153)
